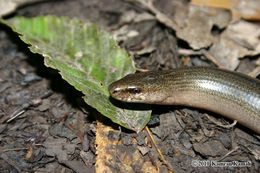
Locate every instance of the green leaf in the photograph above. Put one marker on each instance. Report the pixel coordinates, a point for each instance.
(86, 57)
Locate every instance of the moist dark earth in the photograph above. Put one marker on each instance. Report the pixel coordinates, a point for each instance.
(47, 106)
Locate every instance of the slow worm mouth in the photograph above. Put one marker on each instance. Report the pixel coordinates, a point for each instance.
(113, 89)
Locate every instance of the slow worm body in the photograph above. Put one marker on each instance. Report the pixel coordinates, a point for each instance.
(231, 94)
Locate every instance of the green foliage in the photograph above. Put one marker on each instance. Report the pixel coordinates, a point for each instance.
(87, 58)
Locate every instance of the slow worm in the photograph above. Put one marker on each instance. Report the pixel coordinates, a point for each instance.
(231, 94)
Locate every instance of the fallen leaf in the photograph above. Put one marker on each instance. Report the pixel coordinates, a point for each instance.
(237, 41)
(113, 156)
(9, 6)
(247, 9)
(87, 58)
(196, 25)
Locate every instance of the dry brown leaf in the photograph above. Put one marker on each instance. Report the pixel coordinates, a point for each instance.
(237, 41)
(9, 6)
(247, 9)
(196, 25)
(112, 156)
(132, 16)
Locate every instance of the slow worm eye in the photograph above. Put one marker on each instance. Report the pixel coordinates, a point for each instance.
(135, 90)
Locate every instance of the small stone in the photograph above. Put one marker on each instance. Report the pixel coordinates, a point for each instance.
(143, 150)
(127, 140)
(44, 106)
(30, 77)
(186, 143)
(154, 121)
(140, 138)
(225, 140)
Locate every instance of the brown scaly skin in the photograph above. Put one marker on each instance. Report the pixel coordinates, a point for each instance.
(231, 94)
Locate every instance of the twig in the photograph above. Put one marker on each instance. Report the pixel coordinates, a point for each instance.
(178, 118)
(13, 149)
(233, 150)
(15, 115)
(222, 125)
(17, 149)
(255, 152)
(158, 150)
(25, 107)
(141, 70)
(79, 134)
(204, 129)
(201, 52)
